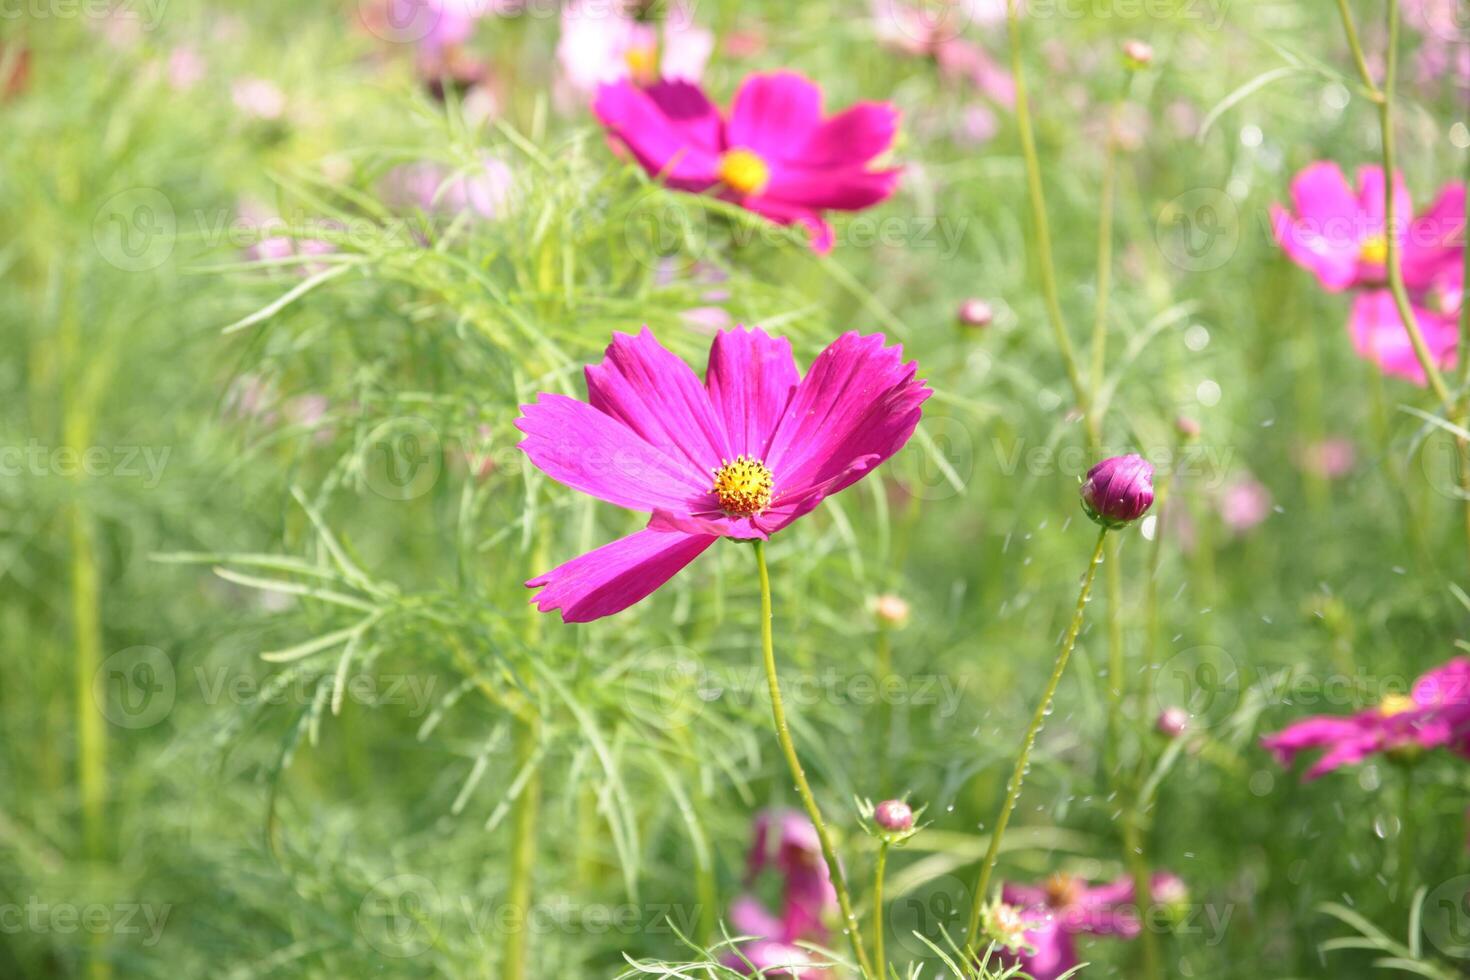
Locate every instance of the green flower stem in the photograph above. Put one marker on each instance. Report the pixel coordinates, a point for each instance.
(1406, 835)
(523, 849)
(803, 788)
(879, 956)
(1018, 774)
(1142, 890)
(1037, 196)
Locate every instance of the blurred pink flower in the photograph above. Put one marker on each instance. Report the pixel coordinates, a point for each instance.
(1436, 713)
(1329, 458)
(1339, 235)
(786, 842)
(601, 42)
(258, 98)
(1244, 503)
(776, 152)
(1066, 907)
(919, 32)
(271, 241)
(435, 189)
(186, 68)
(1379, 335)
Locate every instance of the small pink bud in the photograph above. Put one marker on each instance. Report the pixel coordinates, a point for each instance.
(894, 815)
(1137, 54)
(975, 313)
(1187, 427)
(1119, 490)
(891, 610)
(1172, 721)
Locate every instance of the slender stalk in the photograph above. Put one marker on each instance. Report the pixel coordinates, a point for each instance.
(1104, 250)
(1406, 835)
(1018, 774)
(803, 788)
(523, 852)
(1351, 29)
(1142, 890)
(1037, 196)
(879, 958)
(885, 708)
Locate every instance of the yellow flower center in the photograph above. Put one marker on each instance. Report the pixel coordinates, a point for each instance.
(1374, 250)
(743, 171)
(642, 63)
(743, 486)
(1395, 704)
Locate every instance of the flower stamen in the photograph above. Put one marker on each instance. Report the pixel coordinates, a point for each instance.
(1396, 704)
(743, 171)
(1374, 250)
(743, 486)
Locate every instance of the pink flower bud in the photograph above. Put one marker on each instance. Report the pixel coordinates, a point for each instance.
(1119, 490)
(1137, 54)
(891, 610)
(894, 815)
(1172, 722)
(1187, 427)
(975, 313)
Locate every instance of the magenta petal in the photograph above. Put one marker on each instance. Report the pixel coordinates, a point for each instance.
(1448, 684)
(750, 379)
(1311, 733)
(1326, 249)
(1379, 336)
(658, 396)
(710, 522)
(1436, 239)
(1321, 194)
(665, 147)
(774, 114)
(852, 137)
(750, 918)
(686, 106)
(615, 576)
(842, 190)
(1053, 954)
(858, 399)
(588, 450)
(1370, 199)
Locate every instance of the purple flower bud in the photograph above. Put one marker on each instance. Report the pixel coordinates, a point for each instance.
(1172, 721)
(975, 313)
(894, 815)
(1118, 490)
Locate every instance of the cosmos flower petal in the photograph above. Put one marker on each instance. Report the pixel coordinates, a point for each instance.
(750, 918)
(843, 190)
(1053, 951)
(1321, 193)
(851, 137)
(774, 114)
(1379, 336)
(1436, 238)
(1310, 733)
(739, 528)
(1370, 198)
(588, 450)
(686, 106)
(750, 379)
(783, 213)
(658, 396)
(1321, 250)
(617, 575)
(662, 145)
(1447, 684)
(859, 399)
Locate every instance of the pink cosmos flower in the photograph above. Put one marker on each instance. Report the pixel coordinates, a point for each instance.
(1066, 907)
(786, 842)
(1435, 713)
(1245, 503)
(742, 455)
(270, 239)
(186, 68)
(1339, 236)
(435, 189)
(776, 153)
(259, 98)
(601, 42)
(1330, 458)
(1379, 335)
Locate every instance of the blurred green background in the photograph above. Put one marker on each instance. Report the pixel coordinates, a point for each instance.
(210, 457)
